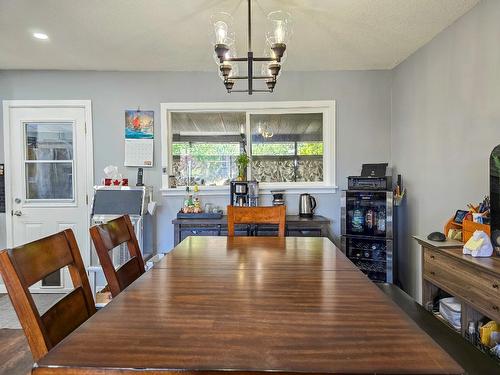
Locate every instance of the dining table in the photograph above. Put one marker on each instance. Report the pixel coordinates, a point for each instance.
(249, 305)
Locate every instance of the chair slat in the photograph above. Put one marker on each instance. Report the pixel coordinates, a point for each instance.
(51, 254)
(128, 272)
(66, 315)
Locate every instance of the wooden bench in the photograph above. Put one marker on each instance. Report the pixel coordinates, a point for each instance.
(472, 360)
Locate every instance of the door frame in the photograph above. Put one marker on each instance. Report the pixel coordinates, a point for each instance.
(89, 173)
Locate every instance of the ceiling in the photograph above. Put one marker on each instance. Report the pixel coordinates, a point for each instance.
(167, 35)
(220, 123)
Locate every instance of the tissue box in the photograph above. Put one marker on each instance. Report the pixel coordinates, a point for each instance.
(116, 182)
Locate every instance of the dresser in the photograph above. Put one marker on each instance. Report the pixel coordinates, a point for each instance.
(474, 281)
(296, 226)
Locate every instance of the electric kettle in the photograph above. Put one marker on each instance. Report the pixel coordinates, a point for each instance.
(307, 204)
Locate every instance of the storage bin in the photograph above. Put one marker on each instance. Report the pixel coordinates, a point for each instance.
(451, 310)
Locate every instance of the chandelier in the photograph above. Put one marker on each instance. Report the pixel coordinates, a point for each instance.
(277, 36)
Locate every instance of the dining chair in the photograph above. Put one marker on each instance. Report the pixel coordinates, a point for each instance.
(110, 235)
(256, 215)
(25, 265)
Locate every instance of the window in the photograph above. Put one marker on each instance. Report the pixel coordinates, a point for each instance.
(204, 147)
(287, 147)
(290, 144)
(49, 161)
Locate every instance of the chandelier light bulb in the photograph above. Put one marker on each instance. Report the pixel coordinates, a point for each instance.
(222, 24)
(221, 32)
(279, 32)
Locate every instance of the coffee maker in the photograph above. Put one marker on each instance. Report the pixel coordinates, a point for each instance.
(244, 193)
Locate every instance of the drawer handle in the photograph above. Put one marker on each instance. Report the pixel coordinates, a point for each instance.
(495, 285)
(495, 307)
(432, 256)
(432, 273)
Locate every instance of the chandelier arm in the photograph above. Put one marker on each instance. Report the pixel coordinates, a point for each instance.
(253, 90)
(236, 59)
(263, 59)
(254, 77)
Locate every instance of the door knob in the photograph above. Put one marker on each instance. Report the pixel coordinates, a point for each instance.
(17, 213)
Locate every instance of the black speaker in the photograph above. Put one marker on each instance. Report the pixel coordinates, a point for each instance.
(495, 196)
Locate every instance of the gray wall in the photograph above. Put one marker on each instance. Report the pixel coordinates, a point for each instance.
(363, 117)
(445, 122)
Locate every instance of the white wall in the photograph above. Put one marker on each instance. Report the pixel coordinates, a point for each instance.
(445, 122)
(363, 117)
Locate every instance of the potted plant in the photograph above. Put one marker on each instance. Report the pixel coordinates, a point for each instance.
(242, 162)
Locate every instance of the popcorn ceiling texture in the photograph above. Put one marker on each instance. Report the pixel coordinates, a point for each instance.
(158, 35)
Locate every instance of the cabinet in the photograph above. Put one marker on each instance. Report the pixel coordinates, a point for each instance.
(296, 226)
(474, 281)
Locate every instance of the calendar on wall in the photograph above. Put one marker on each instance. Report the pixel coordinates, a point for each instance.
(139, 152)
(139, 138)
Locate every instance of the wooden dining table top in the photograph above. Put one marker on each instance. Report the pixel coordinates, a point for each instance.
(248, 305)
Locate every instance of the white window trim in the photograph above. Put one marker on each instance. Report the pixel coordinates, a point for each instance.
(327, 107)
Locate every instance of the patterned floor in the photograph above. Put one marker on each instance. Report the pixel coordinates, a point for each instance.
(8, 318)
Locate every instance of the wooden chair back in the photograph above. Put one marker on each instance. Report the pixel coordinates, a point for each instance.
(256, 215)
(25, 265)
(108, 236)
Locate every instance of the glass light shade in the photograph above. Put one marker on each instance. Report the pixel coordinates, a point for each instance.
(235, 71)
(264, 69)
(222, 24)
(279, 27)
(231, 45)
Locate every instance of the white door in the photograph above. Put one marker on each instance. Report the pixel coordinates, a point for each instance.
(49, 178)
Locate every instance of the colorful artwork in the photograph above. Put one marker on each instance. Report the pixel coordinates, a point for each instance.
(139, 124)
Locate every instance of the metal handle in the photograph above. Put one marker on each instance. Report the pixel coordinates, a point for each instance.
(313, 201)
(495, 307)
(432, 273)
(17, 213)
(432, 256)
(495, 285)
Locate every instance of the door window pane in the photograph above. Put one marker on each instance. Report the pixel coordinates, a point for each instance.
(46, 180)
(205, 146)
(49, 141)
(287, 147)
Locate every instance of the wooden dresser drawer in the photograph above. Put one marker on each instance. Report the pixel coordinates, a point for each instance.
(459, 279)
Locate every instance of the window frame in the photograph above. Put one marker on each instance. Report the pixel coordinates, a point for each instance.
(326, 107)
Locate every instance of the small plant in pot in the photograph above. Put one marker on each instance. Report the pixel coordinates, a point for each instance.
(242, 163)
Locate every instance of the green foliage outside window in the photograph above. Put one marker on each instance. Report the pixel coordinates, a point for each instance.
(205, 149)
(287, 148)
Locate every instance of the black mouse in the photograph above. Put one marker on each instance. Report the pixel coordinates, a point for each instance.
(436, 236)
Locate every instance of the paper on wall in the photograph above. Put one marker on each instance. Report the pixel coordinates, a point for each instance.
(139, 152)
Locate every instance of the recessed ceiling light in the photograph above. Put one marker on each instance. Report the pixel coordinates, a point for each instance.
(41, 36)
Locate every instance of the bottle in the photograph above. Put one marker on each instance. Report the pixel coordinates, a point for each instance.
(196, 200)
(369, 219)
(358, 219)
(185, 206)
(381, 221)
